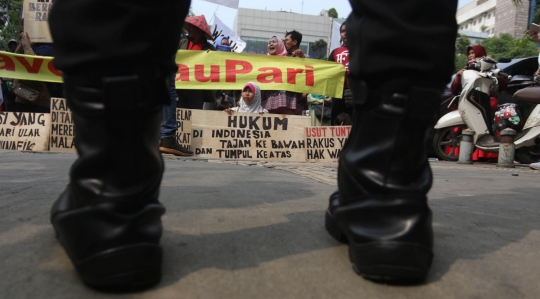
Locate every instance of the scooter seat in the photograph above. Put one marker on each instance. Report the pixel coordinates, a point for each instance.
(529, 95)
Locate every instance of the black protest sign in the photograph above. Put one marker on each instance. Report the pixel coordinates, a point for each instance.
(184, 134)
(62, 129)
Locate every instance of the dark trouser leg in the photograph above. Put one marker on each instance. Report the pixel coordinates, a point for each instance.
(115, 72)
(338, 107)
(383, 175)
(169, 126)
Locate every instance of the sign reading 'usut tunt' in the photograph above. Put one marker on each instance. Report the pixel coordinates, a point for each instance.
(324, 144)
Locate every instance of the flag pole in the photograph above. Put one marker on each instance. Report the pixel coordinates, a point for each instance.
(214, 14)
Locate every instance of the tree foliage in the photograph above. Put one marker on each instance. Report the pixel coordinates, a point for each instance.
(505, 46)
(319, 46)
(496, 47)
(332, 12)
(460, 59)
(461, 44)
(10, 20)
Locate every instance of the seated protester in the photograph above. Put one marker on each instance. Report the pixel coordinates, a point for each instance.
(224, 99)
(319, 107)
(250, 101)
(46, 90)
(473, 53)
(343, 119)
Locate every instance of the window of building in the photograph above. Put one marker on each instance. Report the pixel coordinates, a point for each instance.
(480, 20)
(489, 16)
(474, 23)
(467, 26)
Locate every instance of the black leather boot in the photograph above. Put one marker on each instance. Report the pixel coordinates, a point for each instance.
(381, 208)
(109, 218)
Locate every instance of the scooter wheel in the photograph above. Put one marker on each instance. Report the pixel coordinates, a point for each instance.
(446, 142)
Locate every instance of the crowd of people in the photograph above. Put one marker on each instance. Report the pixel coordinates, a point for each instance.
(323, 110)
(28, 95)
(274, 101)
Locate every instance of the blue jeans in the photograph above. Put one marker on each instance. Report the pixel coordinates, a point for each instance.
(169, 124)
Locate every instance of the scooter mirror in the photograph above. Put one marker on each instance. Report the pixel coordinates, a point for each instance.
(504, 60)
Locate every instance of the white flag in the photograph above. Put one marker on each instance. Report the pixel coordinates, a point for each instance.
(220, 29)
(228, 3)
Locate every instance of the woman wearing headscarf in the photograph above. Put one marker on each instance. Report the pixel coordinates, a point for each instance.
(279, 101)
(250, 102)
(473, 52)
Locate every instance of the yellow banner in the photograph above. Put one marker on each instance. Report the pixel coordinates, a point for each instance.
(213, 70)
(199, 69)
(38, 68)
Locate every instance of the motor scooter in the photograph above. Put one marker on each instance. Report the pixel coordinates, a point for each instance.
(480, 83)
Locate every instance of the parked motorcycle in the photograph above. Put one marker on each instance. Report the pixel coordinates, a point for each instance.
(480, 83)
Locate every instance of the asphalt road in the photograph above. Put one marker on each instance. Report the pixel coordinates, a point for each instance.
(255, 230)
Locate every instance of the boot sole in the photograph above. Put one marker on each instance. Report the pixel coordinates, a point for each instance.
(129, 268)
(165, 150)
(389, 262)
(132, 266)
(123, 269)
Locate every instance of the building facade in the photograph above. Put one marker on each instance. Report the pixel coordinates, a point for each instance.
(256, 26)
(495, 17)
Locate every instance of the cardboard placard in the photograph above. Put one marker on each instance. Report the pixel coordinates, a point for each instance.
(24, 131)
(62, 130)
(324, 144)
(184, 133)
(36, 20)
(248, 136)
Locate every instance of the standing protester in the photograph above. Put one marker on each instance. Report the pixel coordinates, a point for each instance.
(108, 218)
(7, 83)
(30, 102)
(222, 44)
(169, 126)
(224, 98)
(292, 44)
(278, 101)
(12, 45)
(341, 55)
(198, 35)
